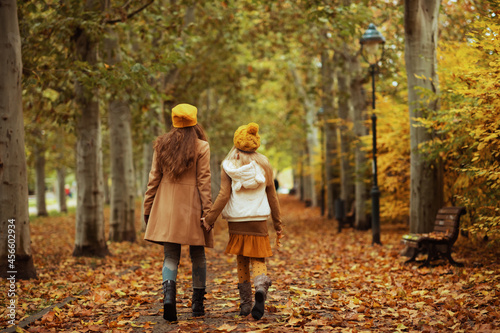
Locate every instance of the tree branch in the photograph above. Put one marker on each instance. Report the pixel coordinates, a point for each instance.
(131, 14)
(125, 6)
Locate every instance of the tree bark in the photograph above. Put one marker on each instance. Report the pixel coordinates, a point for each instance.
(330, 131)
(147, 152)
(90, 238)
(40, 190)
(310, 195)
(359, 104)
(61, 190)
(122, 224)
(345, 137)
(426, 176)
(105, 187)
(14, 214)
(215, 171)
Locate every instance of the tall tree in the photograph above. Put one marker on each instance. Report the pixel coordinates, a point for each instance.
(359, 118)
(122, 223)
(13, 178)
(61, 189)
(426, 176)
(329, 129)
(61, 168)
(90, 238)
(345, 135)
(312, 142)
(40, 188)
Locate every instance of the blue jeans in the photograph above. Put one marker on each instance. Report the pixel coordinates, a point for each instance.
(171, 263)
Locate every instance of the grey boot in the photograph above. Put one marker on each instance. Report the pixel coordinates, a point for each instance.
(262, 284)
(246, 298)
(169, 302)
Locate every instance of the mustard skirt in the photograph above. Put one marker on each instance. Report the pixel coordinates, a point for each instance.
(249, 239)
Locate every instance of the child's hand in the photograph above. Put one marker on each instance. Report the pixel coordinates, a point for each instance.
(279, 235)
(205, 225)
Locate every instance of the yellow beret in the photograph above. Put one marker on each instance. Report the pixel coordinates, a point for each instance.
(247, 138)
(184, 115)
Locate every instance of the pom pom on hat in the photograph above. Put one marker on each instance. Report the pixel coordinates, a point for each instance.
(184, 115)
(247, 138)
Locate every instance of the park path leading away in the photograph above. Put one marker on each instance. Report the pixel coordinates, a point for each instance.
(322, 281)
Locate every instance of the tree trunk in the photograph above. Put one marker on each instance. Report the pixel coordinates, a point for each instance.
(426, 176)
(345, 137)
(147, 160)
(147, 153)
(90, 239)
(39, 153)
(330, 130)
(303, 156)
(61, 175)
(16, 258)
(311, 140)
(122, 224)
(215, 171)
(105, 187)
(358, 99)
(307, 171)
(61, 190)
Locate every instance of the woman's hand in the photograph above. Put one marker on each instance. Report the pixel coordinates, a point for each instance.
(205, 225)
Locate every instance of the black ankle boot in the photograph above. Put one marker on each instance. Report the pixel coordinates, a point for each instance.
(169, 304)
(198, 307)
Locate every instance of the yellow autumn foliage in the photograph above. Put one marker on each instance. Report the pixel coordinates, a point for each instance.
(393, 144)
(469, 125)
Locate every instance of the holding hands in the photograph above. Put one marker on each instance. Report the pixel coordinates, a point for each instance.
(205, 225)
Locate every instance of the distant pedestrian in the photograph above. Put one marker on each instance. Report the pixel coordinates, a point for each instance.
(177, 197)
(247, 197)
(67, 191)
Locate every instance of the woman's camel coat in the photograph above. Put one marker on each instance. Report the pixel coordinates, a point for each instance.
(176, 207)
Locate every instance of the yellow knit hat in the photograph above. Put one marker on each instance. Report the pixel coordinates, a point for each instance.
(247, 138)
(184, 115)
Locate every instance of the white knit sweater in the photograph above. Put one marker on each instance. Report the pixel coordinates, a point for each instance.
(248, 201)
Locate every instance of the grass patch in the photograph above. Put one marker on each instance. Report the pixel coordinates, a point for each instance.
(53, 213)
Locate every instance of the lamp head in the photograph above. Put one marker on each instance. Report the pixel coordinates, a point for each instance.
(370, 42)
(372, 36)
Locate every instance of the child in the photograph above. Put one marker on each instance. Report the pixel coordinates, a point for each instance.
(246, 198)
(178, 195)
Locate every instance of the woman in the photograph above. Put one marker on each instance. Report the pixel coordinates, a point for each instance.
(177, 197)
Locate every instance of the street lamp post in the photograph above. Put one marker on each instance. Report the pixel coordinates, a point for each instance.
(370, 42)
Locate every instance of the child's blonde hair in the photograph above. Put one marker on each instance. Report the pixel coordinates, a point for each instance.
(240, 158)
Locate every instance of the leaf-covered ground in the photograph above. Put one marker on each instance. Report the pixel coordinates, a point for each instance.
(322, 281)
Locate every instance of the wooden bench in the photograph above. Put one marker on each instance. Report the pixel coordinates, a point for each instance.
(439, 242)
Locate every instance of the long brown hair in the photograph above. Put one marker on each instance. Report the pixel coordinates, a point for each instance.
(241, 158)
(175, 150)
